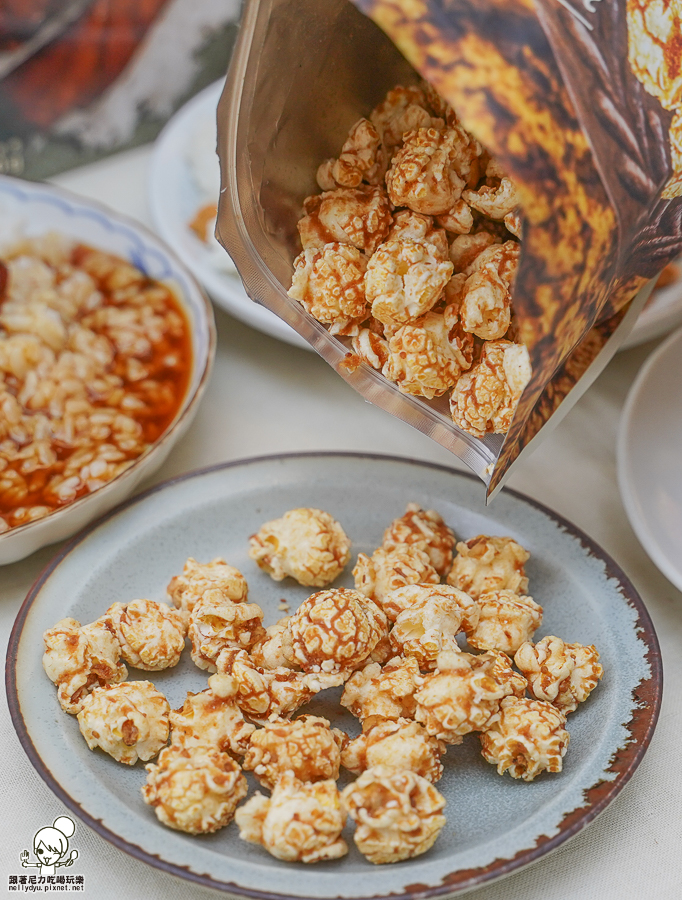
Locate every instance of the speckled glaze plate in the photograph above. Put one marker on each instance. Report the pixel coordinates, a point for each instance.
(495, 825)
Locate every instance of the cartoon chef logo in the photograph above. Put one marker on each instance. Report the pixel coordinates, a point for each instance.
(51, 847)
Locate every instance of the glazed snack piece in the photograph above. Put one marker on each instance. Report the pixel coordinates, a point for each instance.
(387, 570)
(486, 563)
(187, 589)
(305, 544)
(461, 696)
(362, 158)
(212, 718)
(329, 282)
(525, 738)
(151, 634)
(398, 814)
(334, 631)
(217, 623)
(79, 658)
(506, 621)
(300, 822)
(426, 529)
(195, 790)
(397, 744)
(268, 652)
(386, 692)
(403, 109)
(308, 746)
(503, 673)
(560, 673)
(129, 721)
(485, 308)
(358, 216)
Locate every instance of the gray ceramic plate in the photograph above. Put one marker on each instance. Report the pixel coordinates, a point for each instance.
(495, 825)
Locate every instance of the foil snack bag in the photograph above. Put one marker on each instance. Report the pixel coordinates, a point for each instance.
(580, 101)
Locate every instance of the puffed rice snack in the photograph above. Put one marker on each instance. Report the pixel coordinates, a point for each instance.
(300, 822)
(386, 692)
(306, 544)
(187, 589)
(486, 563)
(526, 737)
(212, 718)
(426, 529)
(217, 623)
(308, 746)
(397, 744)
(195, 790)
(79, 658)
(560, 673)
(398, 814)
(129, 721)
(151, 634)
(506, 621)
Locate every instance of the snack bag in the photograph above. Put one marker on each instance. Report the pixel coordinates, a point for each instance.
(575, 105)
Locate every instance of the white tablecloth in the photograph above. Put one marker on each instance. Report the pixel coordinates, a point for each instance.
(267, 397)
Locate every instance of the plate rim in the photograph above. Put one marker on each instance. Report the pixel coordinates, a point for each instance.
(647, 698)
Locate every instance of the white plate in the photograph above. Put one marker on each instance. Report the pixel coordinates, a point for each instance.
(175, 197)
(662, 313)
(650, 457)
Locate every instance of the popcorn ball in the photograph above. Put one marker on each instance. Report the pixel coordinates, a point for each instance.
(506, 621)
(362, 158)
(268, 651)
(300, 822)
(430, 620)
(307, 746)
(427, 356)
(560, 673)
(195, 790)
(387, 570)
(359, 216)
(329, 282)
(403, 109)
(216, 623)
(485, 398)
(398, 744)
(306, 544)
(431, 169)
(387, 692)
(212, 718)
(334, 631)
(526, 737)
(485, 563)
(270, 694)
(461, 696)
(187, 589)
(129, 721)
(151, 634)
(398, 814)
(404, 279)
(426, 529)
(485, 308)
(79, 658)
(412, 226)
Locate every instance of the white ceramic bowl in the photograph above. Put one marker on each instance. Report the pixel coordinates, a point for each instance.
(30, 209)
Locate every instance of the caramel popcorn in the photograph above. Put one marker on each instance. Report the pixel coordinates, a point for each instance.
(431, 618)
(79, 658)
(461, 696)
(484, 399)
(129, 721)
(395, 744)
(426, 529)
(213, 718)
(370, 348)
(269, 694)
(653, 48)
(403, 110)
(404, 279)
(526, 737)
(431, 169)
(398, 814)
(485, 308)
(359, 216)
(329, 282)
(495, 201)
(412, 226)
(305, 544)
(386, 692)
(438, 104)
(486, 563)
(362, 158)
(426, 357)
(300, 822)
(194, 789)
(504, 674)
(562, 674)
(458, 220)
(307, 746)
(334, 631)
(506, 621)
(151, 634)
(387, 570)
(268, 652)
(187, 589)
(216, 623)
(466, 248)
(514, 223)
